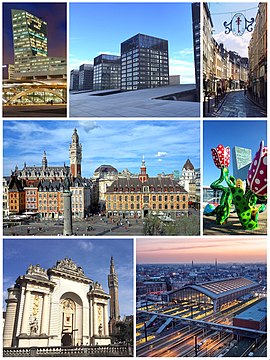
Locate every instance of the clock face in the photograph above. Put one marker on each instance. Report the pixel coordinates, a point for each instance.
(238, 24)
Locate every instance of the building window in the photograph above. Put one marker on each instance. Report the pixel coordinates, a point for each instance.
(159, 198)
(154, 198)
(146, 199)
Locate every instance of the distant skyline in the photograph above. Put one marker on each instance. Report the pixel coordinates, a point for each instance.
(97, 28)
(165, 145)
(200, 250)
(242, 133)
(224, 11)
(55, 16)
(93, 255)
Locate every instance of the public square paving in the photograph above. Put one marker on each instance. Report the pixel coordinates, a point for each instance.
(93, 226)
(233, 226)
(236, 104)
(140, 103)
(35, 111)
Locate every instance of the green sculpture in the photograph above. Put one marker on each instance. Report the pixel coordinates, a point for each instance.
(245, 202)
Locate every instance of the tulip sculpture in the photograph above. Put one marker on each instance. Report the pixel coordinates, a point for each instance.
(244, 201)
(221, 157)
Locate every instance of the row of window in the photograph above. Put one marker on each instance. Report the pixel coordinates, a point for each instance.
(127, 198)
(114, 206)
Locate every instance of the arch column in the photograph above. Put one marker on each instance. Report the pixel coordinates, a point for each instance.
(12, 303)
(25, 317)
(44, 316)
(105, 320)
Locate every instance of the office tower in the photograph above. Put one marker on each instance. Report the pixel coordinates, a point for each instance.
(31, 58)
(144, 62)
(107, 72)
(74, 80)
(196, 44)
(86, 74)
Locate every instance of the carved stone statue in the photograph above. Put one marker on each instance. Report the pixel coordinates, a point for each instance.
(34, 327)
(100, 327)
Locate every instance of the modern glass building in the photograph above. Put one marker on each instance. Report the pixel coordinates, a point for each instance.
(144, 62)
(74, 80)
(196, 11)
(86, 74)
(30, 41)
(107, 72)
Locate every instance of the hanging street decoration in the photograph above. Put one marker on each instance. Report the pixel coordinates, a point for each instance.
(238, 25)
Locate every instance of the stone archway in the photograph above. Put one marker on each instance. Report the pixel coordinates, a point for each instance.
(66, 340)
(71, 308)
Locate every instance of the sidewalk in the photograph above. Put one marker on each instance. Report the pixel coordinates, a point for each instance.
(215, 104)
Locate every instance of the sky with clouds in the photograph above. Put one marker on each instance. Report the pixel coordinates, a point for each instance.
(98, 28)
(224, 11)
(93, 255)
(165, 145)
(202, 250)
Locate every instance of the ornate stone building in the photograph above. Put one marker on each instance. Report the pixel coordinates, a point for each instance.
(138, 196)
(58, 306)
(39, 189)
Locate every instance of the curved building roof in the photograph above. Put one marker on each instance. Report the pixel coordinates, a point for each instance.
(106, 169)
(219, 288)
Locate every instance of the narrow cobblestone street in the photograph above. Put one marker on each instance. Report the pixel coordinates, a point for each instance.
(236, 104)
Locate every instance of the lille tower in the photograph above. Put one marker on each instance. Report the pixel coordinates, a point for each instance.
(75, 155)
(114, 302)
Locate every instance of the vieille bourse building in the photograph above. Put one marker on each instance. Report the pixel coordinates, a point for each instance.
(140, 196)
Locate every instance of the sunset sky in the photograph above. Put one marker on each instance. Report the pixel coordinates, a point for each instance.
(184, 250)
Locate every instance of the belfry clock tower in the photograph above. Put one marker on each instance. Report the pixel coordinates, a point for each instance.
(114, 302)
(75, 155)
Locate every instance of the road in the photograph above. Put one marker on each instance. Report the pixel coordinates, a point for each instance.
(236, 104)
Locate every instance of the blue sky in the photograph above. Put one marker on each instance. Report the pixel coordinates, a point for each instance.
(165, 145)
(247, 134)
(93, 255)
(224, 11)
(97, 28)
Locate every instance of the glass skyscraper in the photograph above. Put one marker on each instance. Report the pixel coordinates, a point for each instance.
(31, 48)
(144, 62)
(107, 72)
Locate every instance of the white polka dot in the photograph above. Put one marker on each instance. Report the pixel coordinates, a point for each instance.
(255, 162)
(265, 160)
(256, 188)
(257, 181)
(261, 172)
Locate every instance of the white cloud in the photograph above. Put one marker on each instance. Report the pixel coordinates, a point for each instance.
(89, 125)
(75, 63)
(161, 154)
(183, 68)
(234, 43)
(86, 245)
(185, 52)
(159, 160)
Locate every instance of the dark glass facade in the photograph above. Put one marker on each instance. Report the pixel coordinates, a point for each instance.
(196, 44)
(86, 74)
(74, 80)
(144, 62)
(107, 72)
